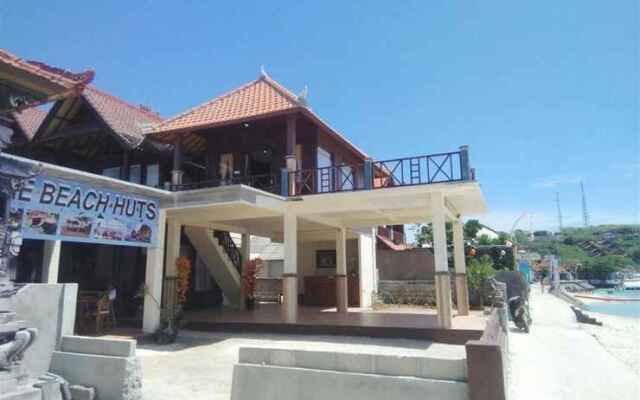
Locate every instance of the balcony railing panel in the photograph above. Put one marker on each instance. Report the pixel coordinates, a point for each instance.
(409, 171)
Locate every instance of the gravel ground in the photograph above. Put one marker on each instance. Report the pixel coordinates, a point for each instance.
(199, 366)
(561, 359)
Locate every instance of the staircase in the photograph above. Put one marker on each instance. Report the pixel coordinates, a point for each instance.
(222, 258)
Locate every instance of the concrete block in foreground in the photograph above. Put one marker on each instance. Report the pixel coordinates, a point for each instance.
(380, 364)
(82, 392)
(104, 347)
(114, 378)
(267, 382)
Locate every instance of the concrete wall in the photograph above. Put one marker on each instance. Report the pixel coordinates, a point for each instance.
(407, 265)
(51, 308)
(487, 362)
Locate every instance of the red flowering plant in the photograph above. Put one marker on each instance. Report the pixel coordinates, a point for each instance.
(183, 265)
(251, 269)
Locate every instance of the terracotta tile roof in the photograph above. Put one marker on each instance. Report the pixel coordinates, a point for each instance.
(129, 122)
(29, 120)
(260, 97)
(59, 76)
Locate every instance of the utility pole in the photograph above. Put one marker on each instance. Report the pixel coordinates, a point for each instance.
(585, 213)
(559, 212)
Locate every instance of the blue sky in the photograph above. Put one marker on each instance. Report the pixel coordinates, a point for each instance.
(545, 93)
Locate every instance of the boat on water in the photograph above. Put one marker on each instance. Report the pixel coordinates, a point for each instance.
(631, 285)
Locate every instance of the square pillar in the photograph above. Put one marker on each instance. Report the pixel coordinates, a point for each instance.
(290, 273)
(51, 261)
(367, 266)
(170, 295)
(442, 280)
(342, 295)
(153, 280)
(462, 288)
(245, 248)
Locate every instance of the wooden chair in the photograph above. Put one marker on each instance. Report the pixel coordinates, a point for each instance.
(102, 314)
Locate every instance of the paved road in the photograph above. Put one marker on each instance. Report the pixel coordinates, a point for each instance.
(559, 360)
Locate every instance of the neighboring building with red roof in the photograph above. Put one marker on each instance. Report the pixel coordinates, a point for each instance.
(27, 123)
(26, 83)
(96, 132)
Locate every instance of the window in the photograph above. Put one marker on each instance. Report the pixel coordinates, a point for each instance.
(135, 173)
(152, 175)
(113, 172)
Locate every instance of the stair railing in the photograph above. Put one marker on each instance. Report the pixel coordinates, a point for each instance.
(226, 242)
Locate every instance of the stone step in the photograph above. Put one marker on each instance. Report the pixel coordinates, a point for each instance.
(454, 369)
(267, 382)
(23, 393)
(99, 346)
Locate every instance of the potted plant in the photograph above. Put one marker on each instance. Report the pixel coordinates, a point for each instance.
(251, 268)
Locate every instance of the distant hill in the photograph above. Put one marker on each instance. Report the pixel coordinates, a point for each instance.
(615, 244)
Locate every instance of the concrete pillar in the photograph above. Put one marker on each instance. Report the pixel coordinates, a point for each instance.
(367, 267)
(51, 261)
(245, 248)
(171, 256)
(153, 279)
(342, 295)
(443, 284)
(462, 289)
(290, 273)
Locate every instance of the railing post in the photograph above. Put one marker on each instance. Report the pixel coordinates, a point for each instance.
(284, 182)
(464, 163)
(368, 174)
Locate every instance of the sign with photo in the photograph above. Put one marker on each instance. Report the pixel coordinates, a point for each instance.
(57, 209)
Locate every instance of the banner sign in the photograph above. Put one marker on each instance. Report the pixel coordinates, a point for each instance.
(57, 209)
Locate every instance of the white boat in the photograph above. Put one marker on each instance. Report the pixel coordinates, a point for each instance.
(631, 285)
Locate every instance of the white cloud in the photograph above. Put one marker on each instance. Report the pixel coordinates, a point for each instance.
(557, 180)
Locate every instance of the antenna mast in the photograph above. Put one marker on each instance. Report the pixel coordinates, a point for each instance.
(585, 213)
(559, 212)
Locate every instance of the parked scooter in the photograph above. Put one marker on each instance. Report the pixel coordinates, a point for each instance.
(519, 310)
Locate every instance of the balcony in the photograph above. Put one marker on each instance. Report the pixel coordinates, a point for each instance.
(370, 175)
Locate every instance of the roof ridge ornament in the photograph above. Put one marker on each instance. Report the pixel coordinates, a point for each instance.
(263, 72)
(302, 97)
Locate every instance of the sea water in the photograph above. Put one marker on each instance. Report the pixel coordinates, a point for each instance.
(620, 308)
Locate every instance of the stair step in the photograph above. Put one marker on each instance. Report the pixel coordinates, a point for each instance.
(267, 382)
(23, 393)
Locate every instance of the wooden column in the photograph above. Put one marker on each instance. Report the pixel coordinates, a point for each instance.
(290, 157)
(177, 172)
(342, 294)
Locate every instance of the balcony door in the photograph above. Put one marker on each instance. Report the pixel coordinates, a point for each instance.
(324, 173)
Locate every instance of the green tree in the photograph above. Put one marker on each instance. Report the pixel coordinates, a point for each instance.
(471, 228)
(601, 267)
(478, 272)
(424, 233)
(484, 240)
